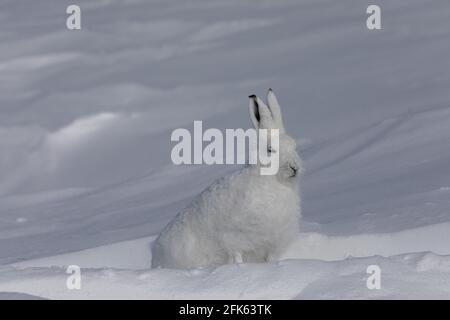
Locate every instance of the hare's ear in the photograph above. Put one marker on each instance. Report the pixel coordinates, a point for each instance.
(275, 109)
(259, 113)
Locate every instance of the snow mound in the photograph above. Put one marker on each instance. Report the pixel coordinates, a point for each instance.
(410, 276)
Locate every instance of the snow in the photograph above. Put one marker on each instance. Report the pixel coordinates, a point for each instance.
(410, 276)
(86, 117)
(131, 254)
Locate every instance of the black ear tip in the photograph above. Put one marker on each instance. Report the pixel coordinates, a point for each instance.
(270, 89)
(252, 96)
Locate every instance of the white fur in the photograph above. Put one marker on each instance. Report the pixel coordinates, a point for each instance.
(242, 217)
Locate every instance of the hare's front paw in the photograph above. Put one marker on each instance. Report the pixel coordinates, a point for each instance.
(270, 257)
(236, 257)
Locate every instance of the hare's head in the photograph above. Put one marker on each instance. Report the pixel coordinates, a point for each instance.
(269, 117)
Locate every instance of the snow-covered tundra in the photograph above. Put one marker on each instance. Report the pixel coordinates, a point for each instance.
(242, 217)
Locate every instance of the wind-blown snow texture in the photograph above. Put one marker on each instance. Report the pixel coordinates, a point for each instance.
(86, 116)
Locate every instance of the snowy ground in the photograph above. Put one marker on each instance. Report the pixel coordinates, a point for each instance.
(411, 276)
(85, 122)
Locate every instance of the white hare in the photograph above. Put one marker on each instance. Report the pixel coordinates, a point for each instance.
(242, 217)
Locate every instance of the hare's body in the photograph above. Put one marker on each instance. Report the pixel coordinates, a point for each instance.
(242, 217)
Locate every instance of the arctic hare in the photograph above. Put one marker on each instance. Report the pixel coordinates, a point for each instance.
(242, 217)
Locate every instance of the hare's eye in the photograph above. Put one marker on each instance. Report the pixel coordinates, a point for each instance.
(270, 150)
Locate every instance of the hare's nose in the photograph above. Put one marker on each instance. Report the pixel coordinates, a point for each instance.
(294, 168)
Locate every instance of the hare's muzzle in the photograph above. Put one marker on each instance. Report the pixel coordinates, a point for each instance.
(294, 170)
